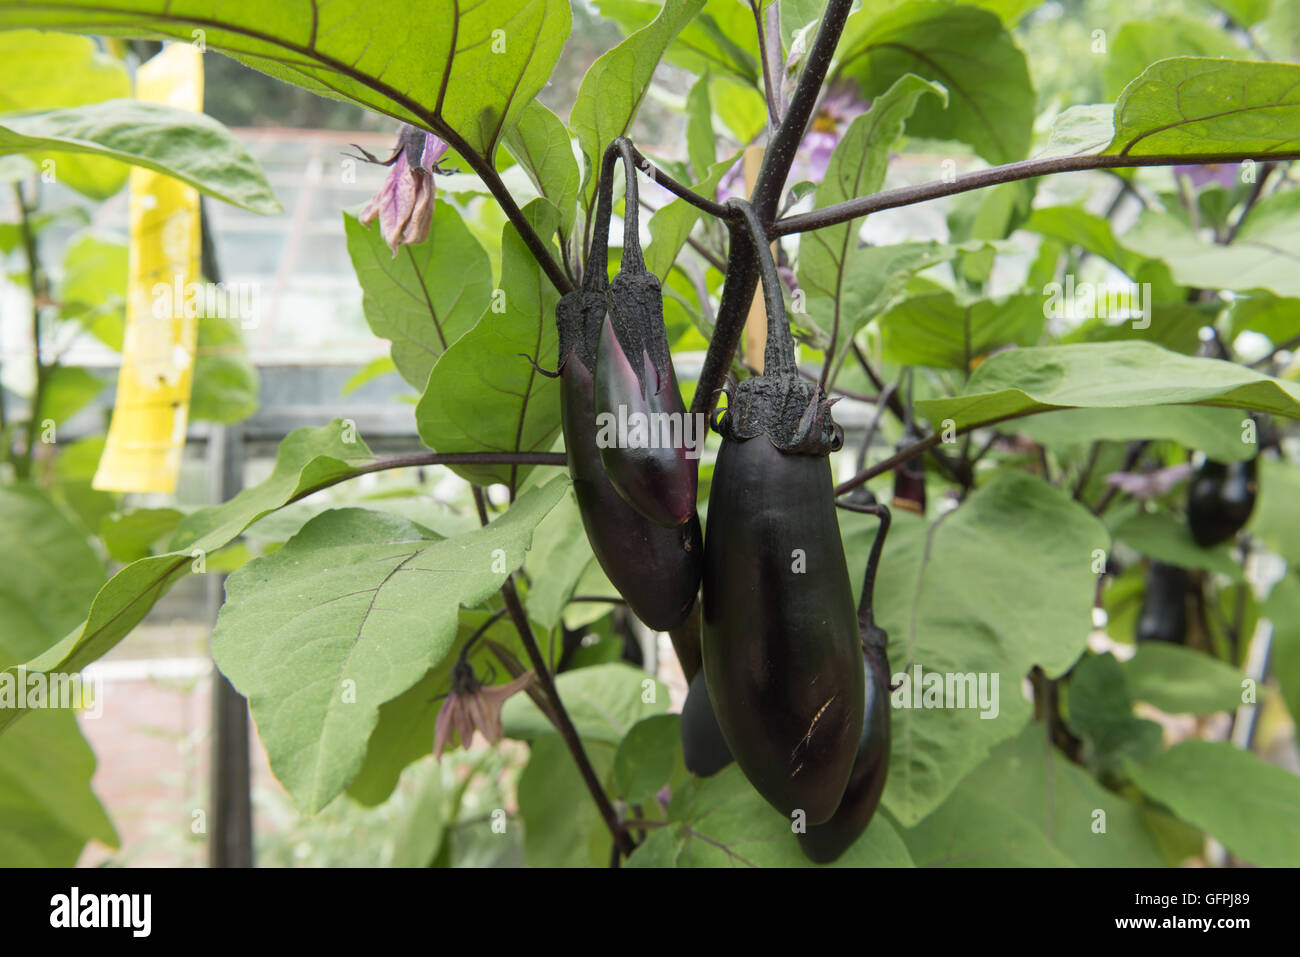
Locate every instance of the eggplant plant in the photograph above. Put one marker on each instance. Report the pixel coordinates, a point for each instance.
(771, 268)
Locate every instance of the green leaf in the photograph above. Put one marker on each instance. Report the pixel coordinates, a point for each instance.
(1216, 432)
(427, 296)
(1076, 226)
(1249, 806)
(559, 555)
(422, 835)
(1272, 316)
(936, 330)
(350, 613)
(562, 827)
(701, 142)
(226, 384)
(1106, 375)
(1200, 105)
(374, 369)
(93, 289)
(604, 701)
(1140, 43)
(990, 101)
(1051, 812)
(719, 38)
(541, 145)
(1276, 519)
(721, 821)
(190, 147)
(1100, 710)
(131, 536)
(671, 224)
(1080, 131)
(49, 811)
(43, 71)
(68, 390)
(612, 90)
(1180, 680)
(646, 757)
(1263, 254)
(474, 67)
(832, 263)
(483, 395)
(1166, 538)
(51, 574)
(948, 611)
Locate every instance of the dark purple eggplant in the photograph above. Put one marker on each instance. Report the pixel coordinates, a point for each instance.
(1164, 606)
(703, 746)
(781, 651)
(655, 568)
(644, 445)
(1220, 498)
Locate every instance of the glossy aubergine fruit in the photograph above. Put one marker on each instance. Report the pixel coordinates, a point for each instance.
(780, 644)
(703, 746)
(655, 568)
(824, 843)
(1164, 606)
(1220, 499)
(637, 396)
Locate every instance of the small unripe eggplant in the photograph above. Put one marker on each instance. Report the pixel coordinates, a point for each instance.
(703, 746)
(909, 478)
(1220, 499)
(1164, 606)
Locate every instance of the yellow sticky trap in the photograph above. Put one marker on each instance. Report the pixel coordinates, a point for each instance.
(147, 432)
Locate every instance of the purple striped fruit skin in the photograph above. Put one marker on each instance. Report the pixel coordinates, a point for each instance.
(781, 648)
(654, 567)
(824, 843)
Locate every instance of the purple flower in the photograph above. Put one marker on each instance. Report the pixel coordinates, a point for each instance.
(840, 105)
(1221, 174)
(404, 204)
(1145, 485)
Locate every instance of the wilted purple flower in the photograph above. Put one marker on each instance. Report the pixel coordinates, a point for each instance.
(404, 204)
(471, 704)
(1221, 174)
(1145, 485)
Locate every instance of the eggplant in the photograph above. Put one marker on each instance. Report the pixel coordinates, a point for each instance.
(781, 648)
(703, 746)
(1220, 498)
(1164, 606)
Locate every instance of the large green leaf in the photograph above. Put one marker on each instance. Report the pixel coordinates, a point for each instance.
(721, 821)
(1029, 805)
(1166, 538)
(1180, 680)
(1140, 43)
(718, 39)
(612, 90)
(1106, 375)
(68, 390)
(831, 261)
(562, 827)
(1248, 805)
(428, 295)
(1216, 432)
(950, 611)
(1100, 712)
(47, 809)
(226, 383)
(51, 573)
(1205, 105)
(93, 287)
(604, 701)
(990, 98)
(1263, 254)
(559, 555)
(671, 224)
(43, 71)
(351, 612)
(1276, 519)
(472, 67)
(1283, 610)
(483, 394)
(541, 145)
(190, 147)
(937, 330)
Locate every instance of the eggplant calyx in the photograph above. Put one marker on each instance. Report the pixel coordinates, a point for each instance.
(794, 414)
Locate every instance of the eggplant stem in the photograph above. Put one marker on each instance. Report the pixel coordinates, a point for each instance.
(779, 354)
